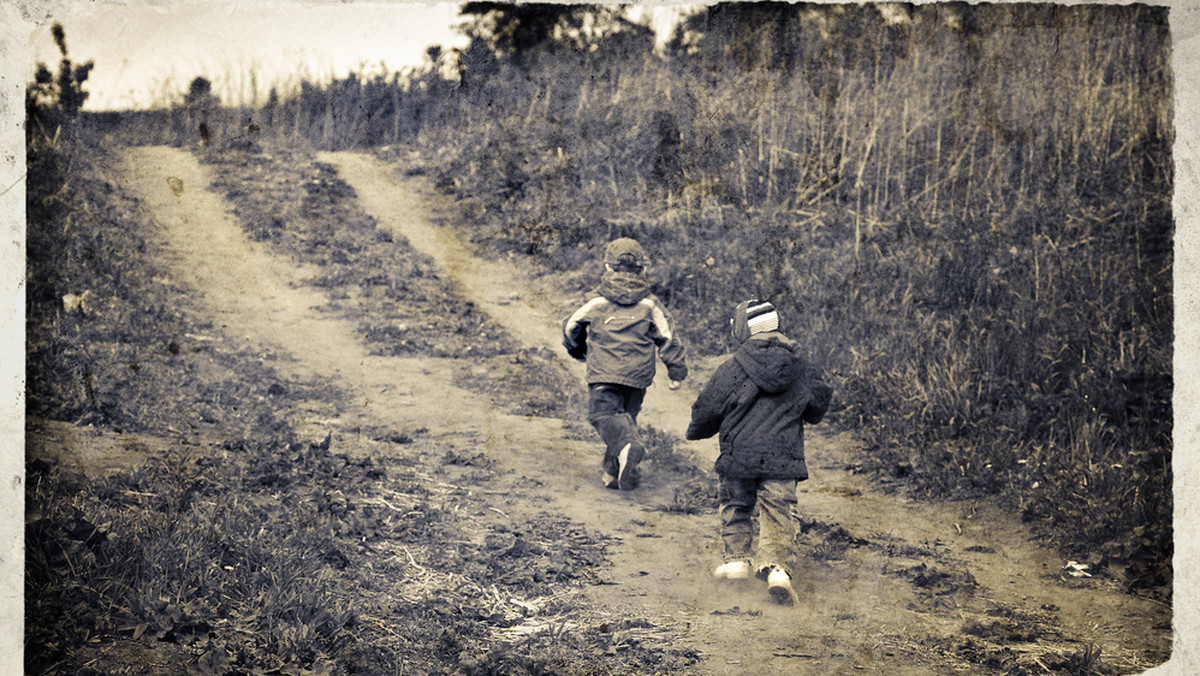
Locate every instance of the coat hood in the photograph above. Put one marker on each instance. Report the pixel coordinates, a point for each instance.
(770, 363)
(623, 288)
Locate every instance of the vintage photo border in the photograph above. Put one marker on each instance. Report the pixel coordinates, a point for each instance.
(18, 18)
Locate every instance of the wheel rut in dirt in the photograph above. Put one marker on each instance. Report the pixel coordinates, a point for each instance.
(893, 580)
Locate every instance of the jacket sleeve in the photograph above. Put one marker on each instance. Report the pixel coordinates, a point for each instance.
(670, 346)
(575, 333)
(710, 408)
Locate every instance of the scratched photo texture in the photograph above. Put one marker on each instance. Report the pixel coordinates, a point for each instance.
(963, 212)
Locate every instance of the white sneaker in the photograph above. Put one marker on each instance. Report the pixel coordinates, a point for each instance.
(779, 586)
(733, 571)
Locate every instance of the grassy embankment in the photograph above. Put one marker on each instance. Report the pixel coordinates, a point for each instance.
(974, 244)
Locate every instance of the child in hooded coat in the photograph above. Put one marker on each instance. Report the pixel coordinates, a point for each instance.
(619, 331)
(758, 402)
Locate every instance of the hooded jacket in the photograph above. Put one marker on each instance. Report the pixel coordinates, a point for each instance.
(758, 401)
(620, 329)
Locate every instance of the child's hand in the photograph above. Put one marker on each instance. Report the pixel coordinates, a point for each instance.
(674, 385)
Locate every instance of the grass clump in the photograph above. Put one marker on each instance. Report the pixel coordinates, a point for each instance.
(178, 552)
(693, 489)
(255, 556)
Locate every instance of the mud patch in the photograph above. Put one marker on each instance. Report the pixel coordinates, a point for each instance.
(938, 588)
(825, 541)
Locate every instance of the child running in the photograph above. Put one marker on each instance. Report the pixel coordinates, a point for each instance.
(759, 401)
(618, 331)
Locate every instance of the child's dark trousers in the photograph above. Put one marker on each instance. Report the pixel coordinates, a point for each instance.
(613, 411)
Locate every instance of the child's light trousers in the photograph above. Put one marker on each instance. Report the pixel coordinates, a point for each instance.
(776, 500)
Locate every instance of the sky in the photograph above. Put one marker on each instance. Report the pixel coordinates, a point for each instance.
(146, 53)
(143, 53)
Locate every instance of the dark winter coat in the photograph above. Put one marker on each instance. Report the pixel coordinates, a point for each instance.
(759, 401)
(620, 330)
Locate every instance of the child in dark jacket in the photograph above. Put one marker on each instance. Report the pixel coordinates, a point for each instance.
(618, 331)
(758, 402)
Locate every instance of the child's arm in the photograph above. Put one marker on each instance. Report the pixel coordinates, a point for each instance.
(670, 347)
(819, 402)
(575, 331)
(710, 408)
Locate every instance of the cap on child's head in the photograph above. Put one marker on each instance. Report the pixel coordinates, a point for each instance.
(626, 253)
(752, 317)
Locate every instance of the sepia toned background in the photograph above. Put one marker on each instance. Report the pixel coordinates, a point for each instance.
(173, 82)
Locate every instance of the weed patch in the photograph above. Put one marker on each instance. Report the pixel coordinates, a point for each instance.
(693, 490)
(258, 555)
(304, 211)
(529, 382)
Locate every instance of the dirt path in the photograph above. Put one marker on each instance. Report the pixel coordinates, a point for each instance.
(529, 310)
(893, 587)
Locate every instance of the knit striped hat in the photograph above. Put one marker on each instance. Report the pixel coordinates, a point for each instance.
(752, 317)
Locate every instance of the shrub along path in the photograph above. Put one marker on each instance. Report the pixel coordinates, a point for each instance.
(887, 585)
